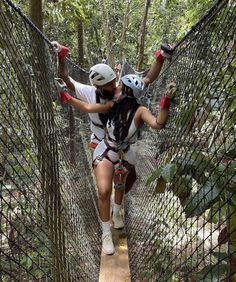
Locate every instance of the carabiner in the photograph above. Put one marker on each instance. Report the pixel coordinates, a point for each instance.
(60, 84)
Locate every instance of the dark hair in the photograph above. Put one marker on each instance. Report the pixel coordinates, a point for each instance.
(118, 116)
(103, 117)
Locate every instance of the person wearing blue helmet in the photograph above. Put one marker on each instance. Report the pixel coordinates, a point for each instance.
(114, 157)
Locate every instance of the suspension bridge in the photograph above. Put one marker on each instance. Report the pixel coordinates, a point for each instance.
(180, 217)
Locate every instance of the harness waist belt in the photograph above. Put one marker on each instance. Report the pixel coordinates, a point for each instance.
(125, 150)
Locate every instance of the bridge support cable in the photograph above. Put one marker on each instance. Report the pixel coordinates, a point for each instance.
(181, 215)
(49, 223)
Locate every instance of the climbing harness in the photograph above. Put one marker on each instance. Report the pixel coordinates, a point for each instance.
(121, 171)
(92, 145)
(103, 119)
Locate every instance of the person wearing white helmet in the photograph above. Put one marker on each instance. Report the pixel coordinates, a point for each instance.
(102, 89)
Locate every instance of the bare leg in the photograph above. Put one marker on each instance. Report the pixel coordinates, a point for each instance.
(117, 217)
(104, 176)
(119, 196)
(119, 179)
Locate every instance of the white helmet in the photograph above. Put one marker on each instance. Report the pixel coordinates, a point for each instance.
(135, 82)
(101, 74)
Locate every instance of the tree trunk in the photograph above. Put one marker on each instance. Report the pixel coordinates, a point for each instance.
(98, 41)
(142, 36)
(36, 13)
(108, 33)
(124, 27)
(88, 54)
(46, 138)
(80, 32)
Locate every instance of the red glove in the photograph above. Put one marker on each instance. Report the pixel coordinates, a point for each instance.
(165, 103)
(65, 97)
(63, 53)
(159, 57)
(165, 52)
(61, 50)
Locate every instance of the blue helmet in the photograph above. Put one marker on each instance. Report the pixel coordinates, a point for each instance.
(135, 82)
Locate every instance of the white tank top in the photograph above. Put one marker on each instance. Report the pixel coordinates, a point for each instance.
(129, 139)
(129, 155)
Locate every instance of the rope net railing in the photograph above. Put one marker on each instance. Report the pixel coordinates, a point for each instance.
(49, 222)
(180, 216)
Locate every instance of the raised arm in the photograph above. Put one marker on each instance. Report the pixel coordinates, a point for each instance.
(160, 55)
(90, 108)
(82, 106)
(154, 122)
(159, 122)
(63, 73)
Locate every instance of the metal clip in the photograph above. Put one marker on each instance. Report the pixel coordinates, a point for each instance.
(60, 84)
(56, 46)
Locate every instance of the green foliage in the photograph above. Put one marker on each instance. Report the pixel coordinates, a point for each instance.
(196, 180)
(201, 200)
(161, 185)
(166, 172)
(211, 273)
(216, 211)
(162, 175)
(167, 21)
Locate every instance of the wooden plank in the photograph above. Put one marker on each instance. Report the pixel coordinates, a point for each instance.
(115, 268)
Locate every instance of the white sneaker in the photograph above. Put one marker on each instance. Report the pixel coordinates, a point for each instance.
(118, 221)
(107, 244)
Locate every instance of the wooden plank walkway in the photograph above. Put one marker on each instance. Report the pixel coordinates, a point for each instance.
(115, 268)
